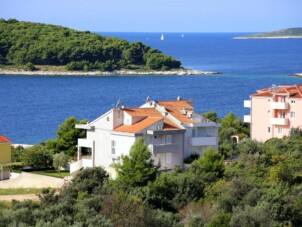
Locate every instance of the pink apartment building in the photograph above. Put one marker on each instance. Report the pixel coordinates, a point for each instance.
(274, 111)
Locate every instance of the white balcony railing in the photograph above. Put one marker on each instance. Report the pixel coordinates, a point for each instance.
(163, 148)
(203, 141)
(247, 103)
(82, 163)
(279, 105)
(279, 121)
(247, 118)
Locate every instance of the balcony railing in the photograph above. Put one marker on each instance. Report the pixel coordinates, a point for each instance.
(247, 118)
(279, 121)
(163, 148)
(82, 163)
(203, 141)
(247, 103)
(279, 105)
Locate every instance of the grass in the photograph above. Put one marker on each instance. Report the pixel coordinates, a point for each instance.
(52, 173)
(20, 191)
(4, 205)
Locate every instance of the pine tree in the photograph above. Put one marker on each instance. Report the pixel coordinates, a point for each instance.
(137, 168)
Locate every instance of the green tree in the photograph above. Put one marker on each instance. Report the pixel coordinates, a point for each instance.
(30, 66)
(60, 160)
(211, 115)
(67, 137)
(210, 166)
(37, 157)
(17, 153)
(137, 169)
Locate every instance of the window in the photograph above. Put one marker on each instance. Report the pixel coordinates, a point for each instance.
(282, 98)
(293, 101)
(168, 139)
(282, 114)
(269, 100)
(268, 111)
(268, 129)
(292, 114)
(279, 130)
(113, 147)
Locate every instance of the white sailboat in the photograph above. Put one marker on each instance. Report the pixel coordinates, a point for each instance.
(182, 35)
(162, 37)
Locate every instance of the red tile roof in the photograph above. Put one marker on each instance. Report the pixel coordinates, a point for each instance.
(143, 112)
(138, 126)
(150, 117)
(294, 91)
(175, 109)
(3, 139)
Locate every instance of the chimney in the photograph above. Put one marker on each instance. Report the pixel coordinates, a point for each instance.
(123, 106)
(178, 98)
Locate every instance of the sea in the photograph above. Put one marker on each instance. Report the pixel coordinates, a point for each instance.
(32, 107)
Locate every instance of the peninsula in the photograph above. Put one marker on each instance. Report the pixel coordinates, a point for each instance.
(35, 46)
(290, 33)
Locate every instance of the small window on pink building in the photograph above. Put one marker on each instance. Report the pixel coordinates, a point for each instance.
(293, 101)
(292, 114)
(268, 129)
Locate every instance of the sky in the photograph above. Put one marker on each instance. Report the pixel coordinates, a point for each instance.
(159, 15)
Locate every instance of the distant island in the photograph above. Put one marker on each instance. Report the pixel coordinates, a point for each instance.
(289, 33)
(27, 46)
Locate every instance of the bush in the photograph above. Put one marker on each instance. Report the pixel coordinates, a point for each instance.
(30, 66)
(37, 157)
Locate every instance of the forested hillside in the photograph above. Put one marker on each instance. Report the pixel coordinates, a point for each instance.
(42, 44)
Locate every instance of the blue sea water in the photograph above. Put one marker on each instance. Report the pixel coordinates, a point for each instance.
(32, 107)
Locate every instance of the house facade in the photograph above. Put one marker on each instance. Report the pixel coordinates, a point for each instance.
(171, 129)
(274, 111)
(5, 156)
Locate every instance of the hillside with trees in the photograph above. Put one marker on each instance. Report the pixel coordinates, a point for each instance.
(30, 44)
(282, 33)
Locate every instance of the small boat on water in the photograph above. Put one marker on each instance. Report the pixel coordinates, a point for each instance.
(182, 35)
(162, 37)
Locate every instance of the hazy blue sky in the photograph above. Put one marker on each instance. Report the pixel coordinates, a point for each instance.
(159, 15)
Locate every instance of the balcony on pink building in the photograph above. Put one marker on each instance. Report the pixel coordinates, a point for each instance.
(279, 105)
(279, 121)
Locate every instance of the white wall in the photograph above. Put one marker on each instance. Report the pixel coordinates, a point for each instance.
(122, 144)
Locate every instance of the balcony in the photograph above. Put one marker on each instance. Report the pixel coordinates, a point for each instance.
(279, 121)
(82, 163)
(247, 103)
(279, 105)
(163, 148)
(247, 118)
(203, 141)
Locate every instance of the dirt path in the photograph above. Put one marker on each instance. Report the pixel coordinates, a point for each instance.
(19, 197)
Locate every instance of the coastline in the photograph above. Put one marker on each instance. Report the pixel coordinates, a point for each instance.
(107, 73)
(298, 75)
(269, 37)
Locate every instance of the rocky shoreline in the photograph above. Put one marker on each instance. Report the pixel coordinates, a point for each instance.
(101, 73)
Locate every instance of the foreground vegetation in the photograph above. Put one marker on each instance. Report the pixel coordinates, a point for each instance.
(30, 44)
(261, 186)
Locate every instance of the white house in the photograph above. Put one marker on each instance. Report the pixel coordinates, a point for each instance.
(171, 129)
